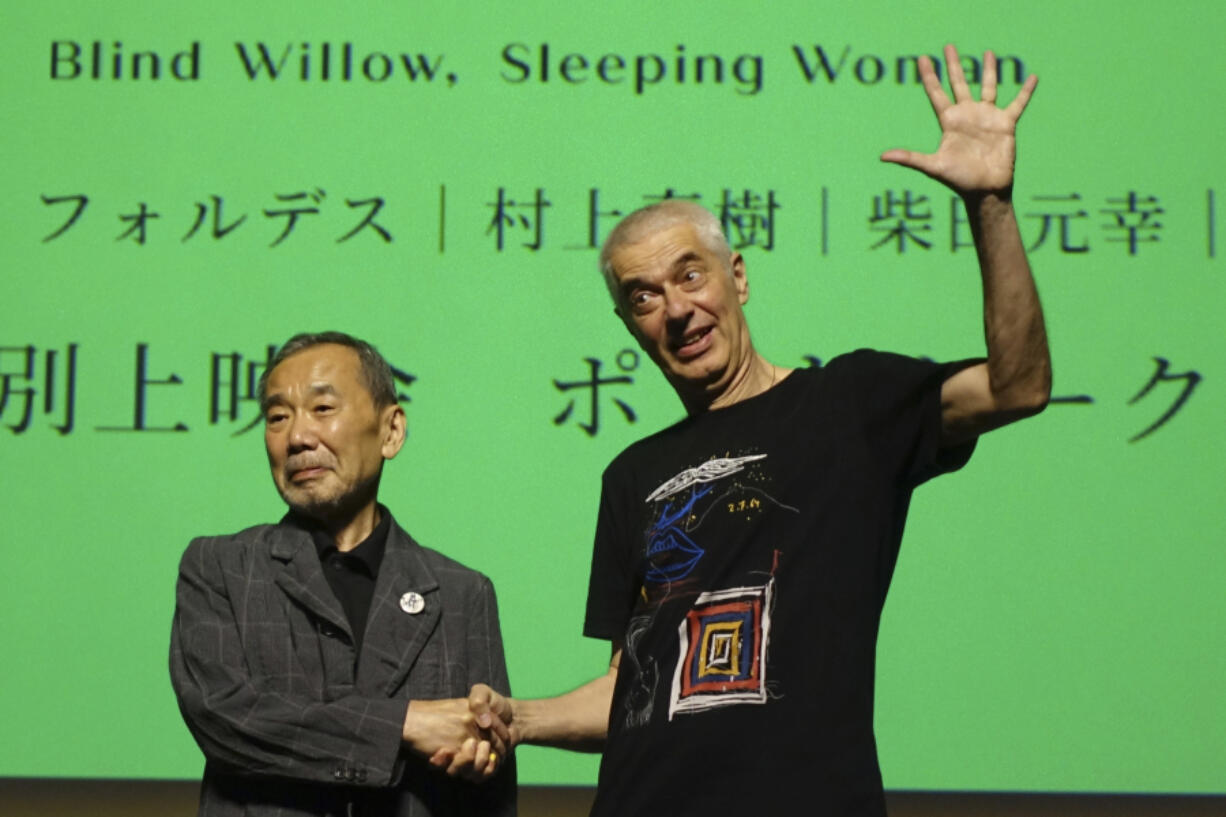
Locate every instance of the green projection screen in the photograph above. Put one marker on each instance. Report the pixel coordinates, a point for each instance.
(186, 185)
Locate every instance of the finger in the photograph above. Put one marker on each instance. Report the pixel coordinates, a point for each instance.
(988, 87)
(442, 758)
(463, 760)
(481, 758)
(480, 768)
(492, 767)
(1023, 97)
(498, 734)
(957, 78)
(932, 85)
(923, 162)
(479, 704)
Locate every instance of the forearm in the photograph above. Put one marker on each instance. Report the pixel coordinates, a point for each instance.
(248, 723)
(1019, 363)
(351, 740)
(578, 720)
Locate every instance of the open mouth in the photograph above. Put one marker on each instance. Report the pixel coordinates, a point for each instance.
(694, 343)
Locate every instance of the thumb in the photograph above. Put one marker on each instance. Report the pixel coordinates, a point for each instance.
(479, 704)
(909, 158)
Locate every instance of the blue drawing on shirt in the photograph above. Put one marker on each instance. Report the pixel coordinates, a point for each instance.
(671, 555)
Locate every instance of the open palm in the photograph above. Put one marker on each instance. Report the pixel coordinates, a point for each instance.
(978, 146)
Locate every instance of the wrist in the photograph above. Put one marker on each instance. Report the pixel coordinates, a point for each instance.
(419, 714)
(409, 728)
(524, 721)
(989, 211)
(984, 202)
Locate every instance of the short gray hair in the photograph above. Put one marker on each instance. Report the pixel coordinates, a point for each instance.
(376, 373)
(660, 216)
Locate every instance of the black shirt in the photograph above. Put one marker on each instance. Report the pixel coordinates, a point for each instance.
(352, 574)
(742, 556)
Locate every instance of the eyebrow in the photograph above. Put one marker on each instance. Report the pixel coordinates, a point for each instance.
(315, 390)
(685, 258)
(628, 284)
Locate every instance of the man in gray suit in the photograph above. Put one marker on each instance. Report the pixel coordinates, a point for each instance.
(311, 658)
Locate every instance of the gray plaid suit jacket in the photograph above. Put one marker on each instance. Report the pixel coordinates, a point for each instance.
(262, 663)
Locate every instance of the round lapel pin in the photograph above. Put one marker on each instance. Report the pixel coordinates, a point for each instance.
(412, 603)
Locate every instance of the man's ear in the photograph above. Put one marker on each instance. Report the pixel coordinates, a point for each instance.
(739, 279)
(395, 429)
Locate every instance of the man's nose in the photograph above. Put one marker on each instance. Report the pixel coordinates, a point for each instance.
(677, 306)
(302, 434)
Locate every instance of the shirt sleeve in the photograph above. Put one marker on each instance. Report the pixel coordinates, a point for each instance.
(900, 402)
(611, 584)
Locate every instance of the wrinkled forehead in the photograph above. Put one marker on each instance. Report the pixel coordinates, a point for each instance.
(326, 368)
(659, 250)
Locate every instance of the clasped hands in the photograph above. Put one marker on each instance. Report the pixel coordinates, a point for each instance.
(471, 738)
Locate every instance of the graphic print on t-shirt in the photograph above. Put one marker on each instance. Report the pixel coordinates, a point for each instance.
(723, 650)
(723, 637)
(671, 553)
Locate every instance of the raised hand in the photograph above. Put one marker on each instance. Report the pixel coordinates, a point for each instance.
(978, 146)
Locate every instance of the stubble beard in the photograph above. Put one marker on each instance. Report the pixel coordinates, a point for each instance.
(338, 508)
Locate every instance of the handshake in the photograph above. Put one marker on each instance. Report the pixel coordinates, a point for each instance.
(469, 738)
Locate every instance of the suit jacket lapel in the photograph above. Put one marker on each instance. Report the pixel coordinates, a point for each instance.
(394, 635)
(302, 578)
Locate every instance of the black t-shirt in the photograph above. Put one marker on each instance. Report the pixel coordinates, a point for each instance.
(743, 557)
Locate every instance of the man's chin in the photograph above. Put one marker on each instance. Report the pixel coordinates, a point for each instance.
(695, 377)
(325, 508)
(319, 508)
